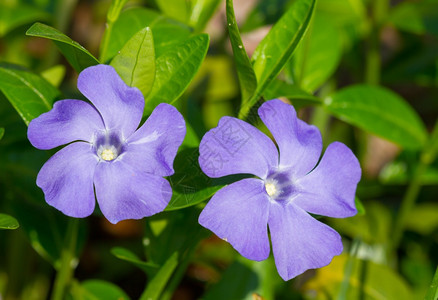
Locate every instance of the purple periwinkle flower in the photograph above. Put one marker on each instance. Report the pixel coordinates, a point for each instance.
(106, 154)
(289, 184)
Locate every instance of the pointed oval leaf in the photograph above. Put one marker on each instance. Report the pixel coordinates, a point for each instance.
(277, 47)
(175, 69)
(167, 32)
(8, 222)
(77, 56)
(30, 94)
(135, 63)
(245, 72)
(381, 112)
(96, 289)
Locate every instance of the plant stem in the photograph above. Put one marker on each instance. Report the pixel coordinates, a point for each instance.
(68, 261)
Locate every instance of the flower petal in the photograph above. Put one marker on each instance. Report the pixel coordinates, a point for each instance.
(238, 213)
(154, 145)
(330, 188)
(67, 121)
(67, 180)
(300, 242)
(235, 147)
(121, 106)
(300, 144)
(126, 191)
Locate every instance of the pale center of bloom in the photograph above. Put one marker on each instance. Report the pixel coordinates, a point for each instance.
(108, 153)
(280, 186)
(270, 189)
(108, 146)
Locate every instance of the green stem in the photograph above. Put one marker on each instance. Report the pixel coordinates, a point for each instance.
(68, 261)
(408, 202)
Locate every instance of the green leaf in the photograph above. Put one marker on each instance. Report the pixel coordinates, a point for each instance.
(319, 54)
(29, 94)
(432, 293)
(167, 32)
(15, 13)
(359, 206)
(190, 185)
(96, 289)
(416, 17)
(202, 11)
(156, 286)
(135, 63)
(54, 75)
(8, 222)
(245, 72)
(379, 111)
(297, 96)
(423, 218)
(126, 255)
(2, 132)
(175, 69)
(77, 56)
(278, 46)
(176, 9)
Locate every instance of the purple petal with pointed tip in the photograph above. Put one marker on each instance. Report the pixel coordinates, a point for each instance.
(154, 145)
(300, 242)
(235, 147)
(239, 214)
(300, 144)
(126, 191)
(67, 180)
(330, 188)
(68, 121)
(121, 106)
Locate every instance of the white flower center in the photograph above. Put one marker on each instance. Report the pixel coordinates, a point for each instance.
(271, 189)
(107, 153)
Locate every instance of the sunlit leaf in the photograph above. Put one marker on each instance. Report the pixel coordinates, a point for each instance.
(432, 293)
(245, 72)
(201, 12)
(77, 56)
(175, 69)
(167, 32)
(135, 63)
(8, 222)
(379, 282)
(379, 111)
(277, 47)
(30, 94)
(54, 75)
(423, 218)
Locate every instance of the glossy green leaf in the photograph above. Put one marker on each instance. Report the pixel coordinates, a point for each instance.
(96, 289)
(201, 12)
(318, 55)
(167, 32)
(278, 46)
(29, 94)
(126, 255)
(135, 63)
(54, 75)
(297, 96)
(14, 14)
(379, 111)
(2, 132)
(245, 72)
(175, 69)
(77, 56)
(190, 185)
(8, 222)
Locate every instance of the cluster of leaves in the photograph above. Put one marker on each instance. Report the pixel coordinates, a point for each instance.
(331, 59)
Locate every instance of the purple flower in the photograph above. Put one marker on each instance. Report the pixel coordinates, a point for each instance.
(286, 188)
(106, 155)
